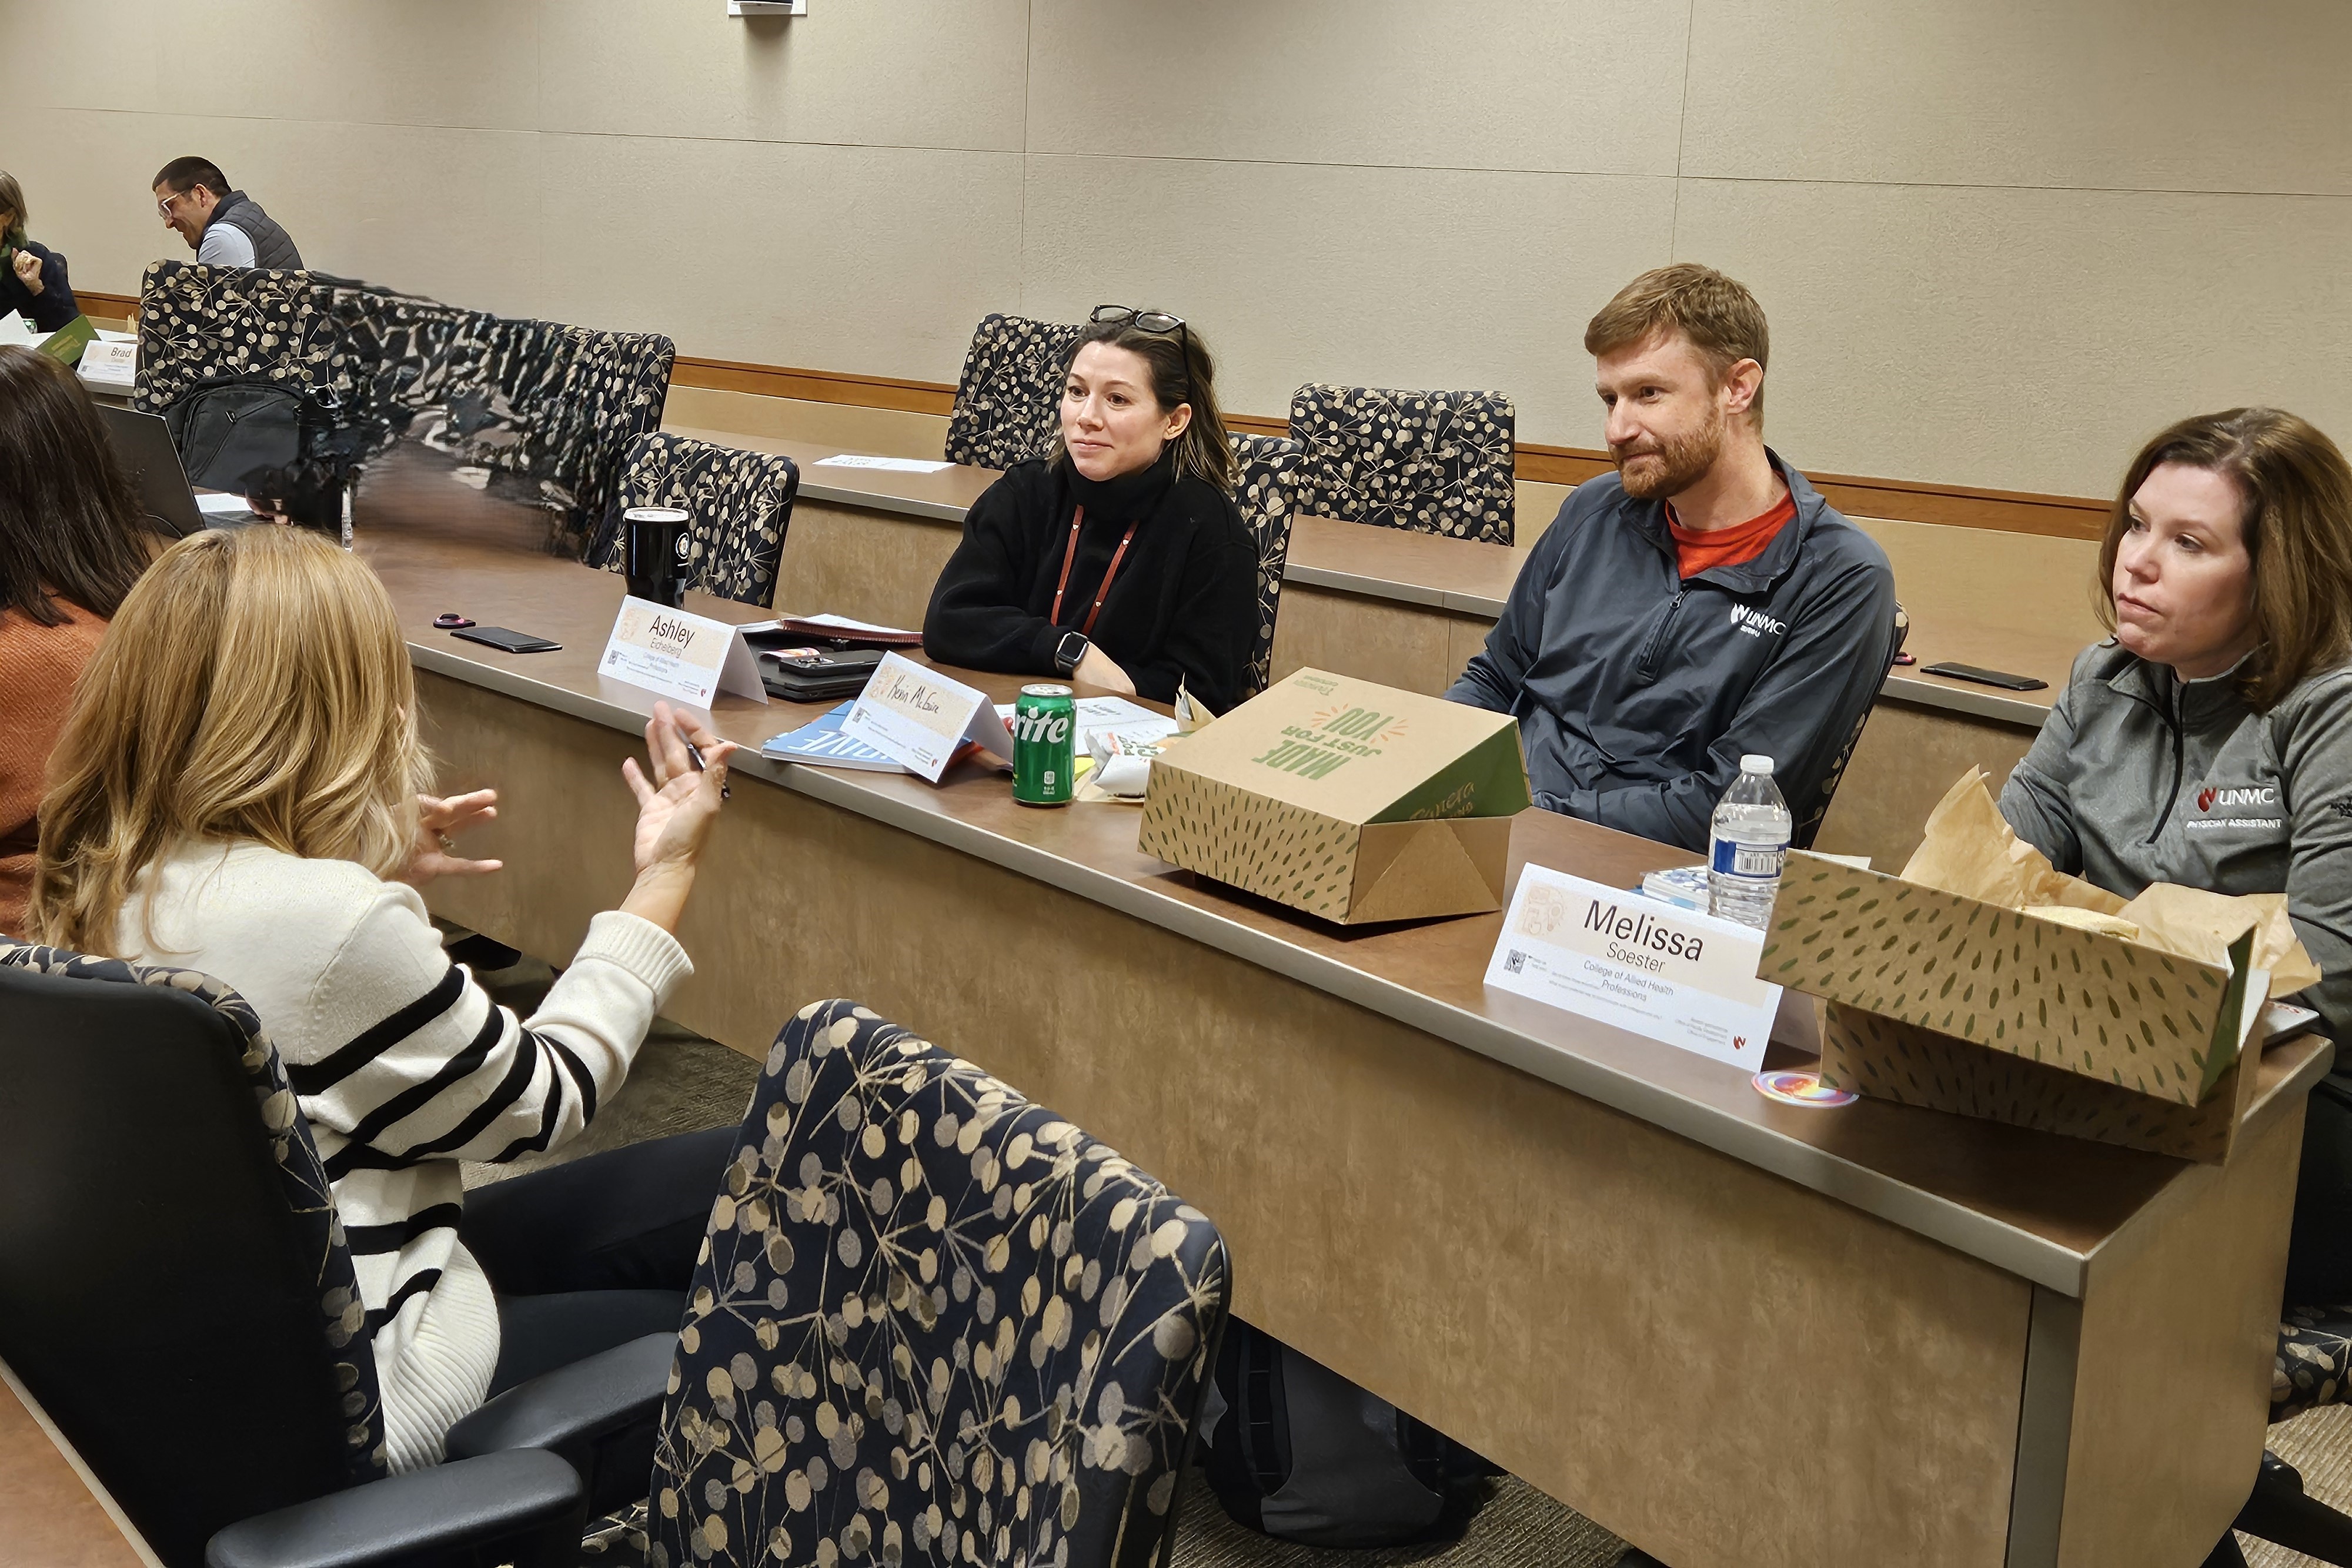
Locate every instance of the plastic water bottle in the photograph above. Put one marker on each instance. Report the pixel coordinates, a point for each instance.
(1747, 844)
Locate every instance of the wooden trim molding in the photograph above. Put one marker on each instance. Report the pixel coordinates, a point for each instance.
(1904, 500)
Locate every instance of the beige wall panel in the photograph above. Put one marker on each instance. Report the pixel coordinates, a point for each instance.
(1479, 84)
(1908, 756)
(870, 566)
(1400, 646)
(1539, 504)
(471, 63)
(2026, 340)
(85, 176)
(895, 73)
(1398, 277)
(2100, 93)
(872, 259)
(87, 179)
(2039, 584)
(885, 432)
(85, 54)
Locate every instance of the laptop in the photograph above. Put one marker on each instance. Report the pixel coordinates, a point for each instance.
(143, 444)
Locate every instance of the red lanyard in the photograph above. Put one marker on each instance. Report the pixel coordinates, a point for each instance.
(1069, 554)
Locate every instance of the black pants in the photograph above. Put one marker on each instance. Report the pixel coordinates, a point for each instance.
(2319, 1255)
(594, 1253)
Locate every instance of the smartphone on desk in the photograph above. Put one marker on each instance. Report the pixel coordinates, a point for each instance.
(511, 641)
(1983, 676)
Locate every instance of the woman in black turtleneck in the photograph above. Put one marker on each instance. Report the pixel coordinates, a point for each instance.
(1120, 562)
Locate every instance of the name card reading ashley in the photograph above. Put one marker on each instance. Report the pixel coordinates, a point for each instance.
(917, 717)
(1672, 973)
(683, 657)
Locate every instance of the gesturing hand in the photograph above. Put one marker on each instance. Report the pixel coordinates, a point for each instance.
(676, 809)
(438, 821)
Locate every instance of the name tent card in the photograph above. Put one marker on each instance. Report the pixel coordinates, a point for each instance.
(684, 657)
(917, 717)
(1654, 968)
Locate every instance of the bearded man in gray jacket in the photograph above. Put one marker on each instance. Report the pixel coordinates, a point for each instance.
(1702, 602)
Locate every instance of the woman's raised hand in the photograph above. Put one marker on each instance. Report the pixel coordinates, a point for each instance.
(675, 810)
(439, 821)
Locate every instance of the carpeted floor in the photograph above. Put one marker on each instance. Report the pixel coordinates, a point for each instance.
(682, 1081)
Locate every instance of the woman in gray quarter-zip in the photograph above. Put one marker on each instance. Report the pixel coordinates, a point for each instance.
(2209, 742)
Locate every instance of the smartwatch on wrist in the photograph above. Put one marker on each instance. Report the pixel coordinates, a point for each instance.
(1069, 651)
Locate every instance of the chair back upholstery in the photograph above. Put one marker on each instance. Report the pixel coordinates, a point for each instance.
(935, 1323)
(551, 406)
(742, 502)
(1008, 402)
(202, 323)
(174, 1287)
(1266, 489)
(1433, 462)
(556, 407)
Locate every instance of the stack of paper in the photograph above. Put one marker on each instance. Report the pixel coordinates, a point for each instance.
(822, 745)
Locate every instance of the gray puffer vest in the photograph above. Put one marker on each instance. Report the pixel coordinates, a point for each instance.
(273, 248)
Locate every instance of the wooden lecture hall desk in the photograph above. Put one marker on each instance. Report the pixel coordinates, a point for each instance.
(1739, 1333)
(1408, 611)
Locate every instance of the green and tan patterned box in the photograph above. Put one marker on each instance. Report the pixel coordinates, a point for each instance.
(1352, 801)
(2095, 1006)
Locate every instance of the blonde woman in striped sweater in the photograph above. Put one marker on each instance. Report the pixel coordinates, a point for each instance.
(237, 791)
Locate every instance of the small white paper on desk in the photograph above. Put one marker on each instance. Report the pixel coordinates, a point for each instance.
(893, 464)
(1672, 973)
(16, 331)
(219, 504)
(115, 363)
(917, 717)
(1109, 715)
(684, 657)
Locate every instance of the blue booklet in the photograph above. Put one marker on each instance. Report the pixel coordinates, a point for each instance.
(821, 745)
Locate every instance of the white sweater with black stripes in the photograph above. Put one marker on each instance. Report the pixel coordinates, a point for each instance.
(403, 1067)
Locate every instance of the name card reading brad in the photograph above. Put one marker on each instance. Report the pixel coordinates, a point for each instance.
(686, 658)
(917, 717)
(1675, 975)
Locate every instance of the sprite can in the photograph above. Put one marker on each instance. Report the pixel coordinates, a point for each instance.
(1045, 745)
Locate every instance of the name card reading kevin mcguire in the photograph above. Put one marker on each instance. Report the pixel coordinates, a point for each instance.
(1672, 973)
(918, 718)
(683, 657)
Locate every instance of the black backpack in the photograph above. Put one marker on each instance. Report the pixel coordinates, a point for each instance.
(231, 430)
(1298, 1452)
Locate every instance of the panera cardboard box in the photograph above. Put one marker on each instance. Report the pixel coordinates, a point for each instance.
(1985, 982)
(1352, 801)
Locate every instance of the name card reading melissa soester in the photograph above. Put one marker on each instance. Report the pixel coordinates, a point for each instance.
(686, 658)
(1675, 975)
(917, 717)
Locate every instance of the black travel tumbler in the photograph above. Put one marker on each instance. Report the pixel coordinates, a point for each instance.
(656, 549)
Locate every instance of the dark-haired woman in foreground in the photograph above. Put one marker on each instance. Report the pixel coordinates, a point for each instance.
(72, 542)
(2209, 742)
(1120, 562)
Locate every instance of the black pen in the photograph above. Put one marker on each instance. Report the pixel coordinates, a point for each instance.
(693, 755)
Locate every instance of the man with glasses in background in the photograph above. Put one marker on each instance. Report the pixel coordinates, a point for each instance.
(224, 227)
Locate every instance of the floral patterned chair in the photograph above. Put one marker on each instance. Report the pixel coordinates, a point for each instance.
(205, 323)
(934, 1324)
(1434, 462)
(2313, 1367)
(177, 1292)
(741, 503)
(1008, 402)
(554, 407)
(1266, 490)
